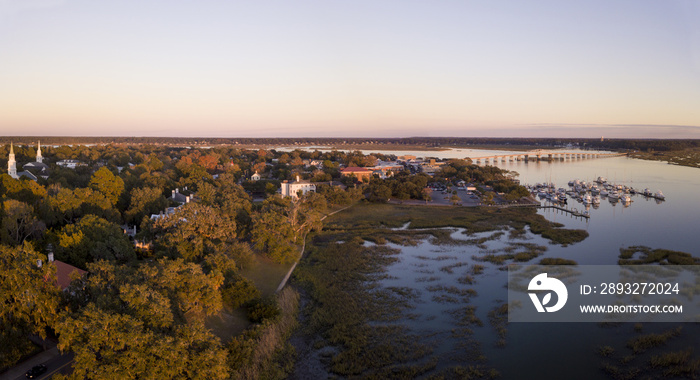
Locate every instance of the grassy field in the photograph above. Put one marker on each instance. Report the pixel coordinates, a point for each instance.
(265, 274)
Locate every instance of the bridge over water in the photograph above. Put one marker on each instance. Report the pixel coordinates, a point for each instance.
(542, 155)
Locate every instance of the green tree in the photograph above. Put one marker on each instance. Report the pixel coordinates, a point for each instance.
(19, 221)
(194, 231)
(28, 293)
(145, 201)
(93, 238)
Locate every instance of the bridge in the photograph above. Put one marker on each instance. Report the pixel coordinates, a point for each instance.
(541, 155)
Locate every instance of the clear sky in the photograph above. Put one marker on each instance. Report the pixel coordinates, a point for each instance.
(623, 68)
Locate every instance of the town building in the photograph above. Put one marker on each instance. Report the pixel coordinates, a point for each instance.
(32, 170)
(255, 177)
(70, 164)
(293, 189)
(362, 174)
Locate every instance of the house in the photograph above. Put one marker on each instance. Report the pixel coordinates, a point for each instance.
(163, 214)
(63, 272)
(255, 177)
(292, 189)
(70, 164)
(361, 174)
(179, 197)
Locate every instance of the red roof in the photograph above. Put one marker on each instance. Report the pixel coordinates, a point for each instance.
(355, 169)
(63, 272)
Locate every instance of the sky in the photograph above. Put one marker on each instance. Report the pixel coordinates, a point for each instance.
(331, 68)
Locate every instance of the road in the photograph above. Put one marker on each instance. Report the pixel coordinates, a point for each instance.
(59, 364)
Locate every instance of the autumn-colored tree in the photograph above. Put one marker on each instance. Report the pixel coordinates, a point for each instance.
(111, 186)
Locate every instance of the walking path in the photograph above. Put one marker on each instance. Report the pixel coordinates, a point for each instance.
(303, 247)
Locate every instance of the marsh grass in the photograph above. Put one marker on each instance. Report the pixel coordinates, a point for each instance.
(644, 342)
(360, 324)
(521, 252)
(677, 364)
(659, 256)
(430, 220)
(557, 261)
(498, 318)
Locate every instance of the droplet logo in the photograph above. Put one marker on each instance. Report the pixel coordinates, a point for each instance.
(542, 282)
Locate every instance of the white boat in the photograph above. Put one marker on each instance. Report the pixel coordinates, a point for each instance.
(659, 195)
(603, 193)
(601, 180)
(587, 199)
(613, 196)
(595, 190)
(647, 193)
(626, 198)
(596, 200)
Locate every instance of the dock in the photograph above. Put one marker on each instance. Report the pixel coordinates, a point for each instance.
(574, 212)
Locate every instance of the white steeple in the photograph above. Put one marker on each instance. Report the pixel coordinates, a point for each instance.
(11, 163)
(39, 158)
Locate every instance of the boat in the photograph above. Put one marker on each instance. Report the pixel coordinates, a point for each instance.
(647, 193)
(587, 199)
(659, 195)
(626, 198)
(596, 200)
(613, 196)
(601, 180)
(603, 193)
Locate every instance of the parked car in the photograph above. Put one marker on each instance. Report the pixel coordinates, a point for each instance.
(36, 371)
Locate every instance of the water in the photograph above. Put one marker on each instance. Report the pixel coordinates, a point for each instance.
(558, 350)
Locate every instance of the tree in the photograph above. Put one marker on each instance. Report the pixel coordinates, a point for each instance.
(28, 293)
(145, 322)
(194, 231)
(19, 221)
(93, 238)
(108, 184)
(145, 201)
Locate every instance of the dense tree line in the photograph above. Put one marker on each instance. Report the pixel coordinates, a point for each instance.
(139, 312)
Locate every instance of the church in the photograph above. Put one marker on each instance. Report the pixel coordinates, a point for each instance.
(32, 170)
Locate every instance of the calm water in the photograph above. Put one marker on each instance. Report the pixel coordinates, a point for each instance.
(554, 350)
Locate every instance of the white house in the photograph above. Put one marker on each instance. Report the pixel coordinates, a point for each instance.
(292, 189)
(255, 177)
(71, 164)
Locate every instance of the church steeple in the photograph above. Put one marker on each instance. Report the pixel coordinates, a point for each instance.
(39, 158)
(11, 163)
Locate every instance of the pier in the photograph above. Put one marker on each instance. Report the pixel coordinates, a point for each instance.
(574, 212)
(541, 155)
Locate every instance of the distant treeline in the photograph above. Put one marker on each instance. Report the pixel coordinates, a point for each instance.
(612, 144)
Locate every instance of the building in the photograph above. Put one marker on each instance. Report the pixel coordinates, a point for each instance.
(39, 157)
(70, 164)
(181, 198)
(12, 164)
(64, 271)
(292, 189)
(255, 177)
(32, 170)
(362, 174)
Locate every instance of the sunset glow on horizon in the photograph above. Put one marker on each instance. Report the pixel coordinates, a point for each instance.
(350, 69)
